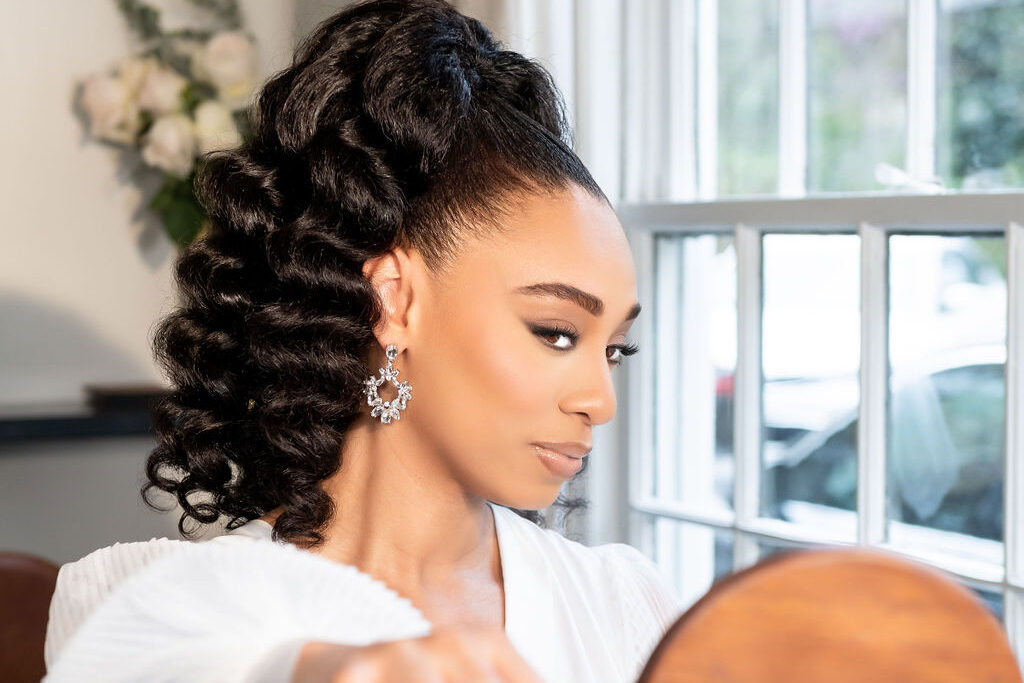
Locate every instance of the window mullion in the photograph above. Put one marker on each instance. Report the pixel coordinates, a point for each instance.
(874, 383)
(1013, 610)
(640, 377)
(1013, 514)
(1014, 508)
(792, 98)
(747, 390)
(921, 88)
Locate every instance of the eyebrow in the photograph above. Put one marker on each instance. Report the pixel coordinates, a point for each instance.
(585, 300)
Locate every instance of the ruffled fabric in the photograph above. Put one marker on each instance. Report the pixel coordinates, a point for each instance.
(230, 612)
(84, 584)
(647, 605)
(240, 607)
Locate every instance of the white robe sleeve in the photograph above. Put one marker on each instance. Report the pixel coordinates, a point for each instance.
(233, 613)
(647, 603)
(84, 584)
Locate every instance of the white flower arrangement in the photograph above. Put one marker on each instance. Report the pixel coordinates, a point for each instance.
(187, 93)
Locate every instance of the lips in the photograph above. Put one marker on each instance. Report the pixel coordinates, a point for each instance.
(572, 449)
(562, 459)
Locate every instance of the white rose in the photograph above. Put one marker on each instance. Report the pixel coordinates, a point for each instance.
(215, 127)
(113, 114)
(228, 62)
(132, 71)
(161, 91)
(188, 47)
(171, 144)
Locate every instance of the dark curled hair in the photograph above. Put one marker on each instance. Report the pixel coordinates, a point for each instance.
(399, 123)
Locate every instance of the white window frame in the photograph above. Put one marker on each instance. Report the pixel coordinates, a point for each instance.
(875, 219)
(653, 170)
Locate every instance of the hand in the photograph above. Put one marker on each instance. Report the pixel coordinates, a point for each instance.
(463, 654)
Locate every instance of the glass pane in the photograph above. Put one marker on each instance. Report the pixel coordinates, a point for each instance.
(767, 548)
(695, 348)
(980, 74)
(692, 556)
(991, 599)
(857, 103)
(947, 390)
(748, 97)
(811, 356)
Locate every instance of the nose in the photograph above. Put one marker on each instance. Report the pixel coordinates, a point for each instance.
(593, 392)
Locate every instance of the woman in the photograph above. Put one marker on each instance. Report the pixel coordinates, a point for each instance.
(409, 207)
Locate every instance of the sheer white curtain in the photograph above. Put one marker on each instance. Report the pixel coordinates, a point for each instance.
(581, 43)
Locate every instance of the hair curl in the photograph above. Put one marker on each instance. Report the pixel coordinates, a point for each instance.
(399, 122)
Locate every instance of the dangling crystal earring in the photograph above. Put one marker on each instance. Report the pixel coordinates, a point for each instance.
(387, 410)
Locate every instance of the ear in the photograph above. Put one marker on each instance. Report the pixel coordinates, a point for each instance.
(394, 275)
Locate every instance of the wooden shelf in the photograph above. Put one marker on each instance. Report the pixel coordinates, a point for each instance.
(107, 411)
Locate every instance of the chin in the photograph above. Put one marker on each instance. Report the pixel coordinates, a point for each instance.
(537, 499)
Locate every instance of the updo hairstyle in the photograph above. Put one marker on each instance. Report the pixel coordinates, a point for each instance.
(399, 123)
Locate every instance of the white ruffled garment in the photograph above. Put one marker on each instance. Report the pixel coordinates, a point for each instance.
(239, 608)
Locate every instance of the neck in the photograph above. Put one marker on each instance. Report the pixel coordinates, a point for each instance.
(401, 516)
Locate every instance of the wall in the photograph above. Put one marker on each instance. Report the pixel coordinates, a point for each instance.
(84, 273)
(63, 499)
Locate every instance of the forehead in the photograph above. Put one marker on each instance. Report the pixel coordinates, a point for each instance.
(570, 237)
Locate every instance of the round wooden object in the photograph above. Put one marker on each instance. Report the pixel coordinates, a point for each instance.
(838, 616)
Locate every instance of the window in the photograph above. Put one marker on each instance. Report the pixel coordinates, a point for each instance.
(825, 205)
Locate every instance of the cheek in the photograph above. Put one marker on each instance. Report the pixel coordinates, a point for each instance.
(511, 369)
(502, 374)
(484, 387)
(488, 376)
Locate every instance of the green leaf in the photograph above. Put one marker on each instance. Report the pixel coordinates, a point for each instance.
(189, 100)
(176, 204)
(142, 18)
(226, 10)
(194, 94)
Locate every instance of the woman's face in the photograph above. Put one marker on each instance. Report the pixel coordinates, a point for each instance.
(490, 377)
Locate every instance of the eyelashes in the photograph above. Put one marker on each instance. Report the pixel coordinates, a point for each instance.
(623, 350)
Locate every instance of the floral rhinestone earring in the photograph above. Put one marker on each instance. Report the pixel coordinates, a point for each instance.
(387, 410)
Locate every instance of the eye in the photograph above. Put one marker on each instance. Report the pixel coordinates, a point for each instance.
(617, 351)
(555, 332)
(620, 351)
